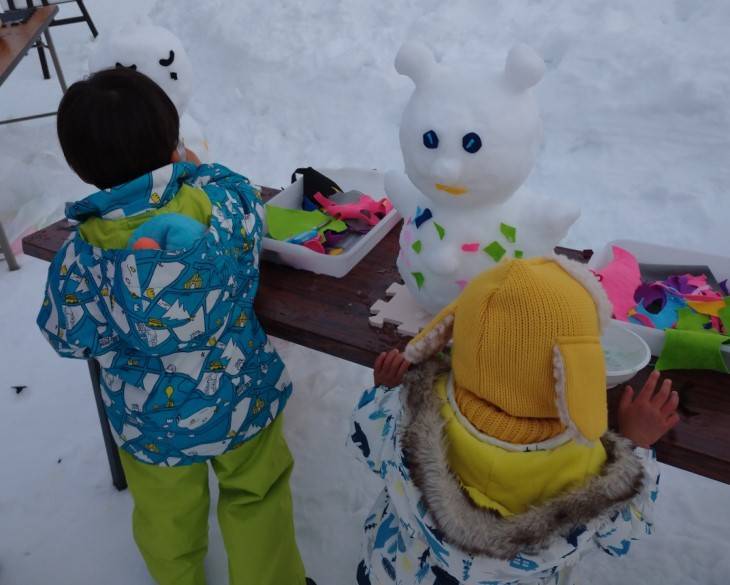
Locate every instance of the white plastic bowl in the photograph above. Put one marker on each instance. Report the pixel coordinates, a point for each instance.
(626, 354)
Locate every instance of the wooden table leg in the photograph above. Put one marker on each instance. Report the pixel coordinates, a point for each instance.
(112, 451)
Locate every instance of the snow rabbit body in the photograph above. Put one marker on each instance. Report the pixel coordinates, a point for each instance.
(469, 141)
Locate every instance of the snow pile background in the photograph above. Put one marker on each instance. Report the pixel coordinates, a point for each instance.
(637, 131)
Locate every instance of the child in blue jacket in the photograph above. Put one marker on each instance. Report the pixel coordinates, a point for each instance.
(188, 375)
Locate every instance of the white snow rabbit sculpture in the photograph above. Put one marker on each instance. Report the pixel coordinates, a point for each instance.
(159, 54)
(469, 141)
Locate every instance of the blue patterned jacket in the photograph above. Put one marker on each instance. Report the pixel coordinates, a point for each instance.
(187, 370)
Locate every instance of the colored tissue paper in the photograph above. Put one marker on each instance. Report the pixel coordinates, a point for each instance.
(651, 295)
(716, 324)
(690, 350)
(708, 307)
(419, 278)
(724, 289)
(315, 245)
(689, 320)
(687, 284)
(422, 216)
(662, 313)
(509, 232)
(724, 315)
(705, 295)
(640, 319)
(440, 230)
(677, 272)
(284, 223)
(620, 279)
(495, 250)
(333, 238)
(697, 281)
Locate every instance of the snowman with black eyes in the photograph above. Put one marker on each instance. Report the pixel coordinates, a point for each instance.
(469, 141)
(159, 54)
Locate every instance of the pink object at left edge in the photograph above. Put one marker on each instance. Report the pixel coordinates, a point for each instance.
(620, 279)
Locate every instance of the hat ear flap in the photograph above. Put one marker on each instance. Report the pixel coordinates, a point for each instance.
(433, 338)
(580, 387)
(590, 282)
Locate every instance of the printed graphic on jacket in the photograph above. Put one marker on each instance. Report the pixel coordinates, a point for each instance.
(187, 370)
(402, 544)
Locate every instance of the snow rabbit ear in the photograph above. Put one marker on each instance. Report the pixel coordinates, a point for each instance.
(416, 61)
(524, 68)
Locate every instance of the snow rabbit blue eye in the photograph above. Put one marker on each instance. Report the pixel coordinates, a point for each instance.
(431, 139)
(471, 142)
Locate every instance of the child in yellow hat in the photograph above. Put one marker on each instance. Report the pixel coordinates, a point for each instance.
(498, 463)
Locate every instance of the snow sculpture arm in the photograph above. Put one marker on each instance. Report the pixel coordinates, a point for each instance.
(402, 193)
(635, 519)
(559, 216)
(548, 219)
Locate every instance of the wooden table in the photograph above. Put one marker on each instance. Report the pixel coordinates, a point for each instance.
(331, 315)
(16, 41)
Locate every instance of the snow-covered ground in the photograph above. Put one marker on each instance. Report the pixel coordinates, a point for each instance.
(637, 126)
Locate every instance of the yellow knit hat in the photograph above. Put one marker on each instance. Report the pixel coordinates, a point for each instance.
(526, 357)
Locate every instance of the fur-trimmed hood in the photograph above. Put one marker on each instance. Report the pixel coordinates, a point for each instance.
(484, 532)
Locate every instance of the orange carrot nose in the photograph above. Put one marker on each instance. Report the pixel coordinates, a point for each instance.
(146, 244)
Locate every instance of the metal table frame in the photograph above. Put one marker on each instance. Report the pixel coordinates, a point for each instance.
(44, 32)
(6, 250)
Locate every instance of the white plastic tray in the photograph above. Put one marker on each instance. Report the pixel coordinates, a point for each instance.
(356, 248)
(654, 254)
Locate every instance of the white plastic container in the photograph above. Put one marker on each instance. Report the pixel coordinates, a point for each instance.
(654, 254)
(356, 247)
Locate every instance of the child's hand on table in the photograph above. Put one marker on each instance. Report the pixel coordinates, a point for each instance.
(190, 156)
(644, 419)
(389, 369)
(184, 154)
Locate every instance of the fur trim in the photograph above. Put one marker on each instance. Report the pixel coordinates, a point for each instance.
(482, 531)
(430, 344)
(561, 399)
(583, 275)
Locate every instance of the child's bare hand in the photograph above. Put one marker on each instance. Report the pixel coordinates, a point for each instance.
(190, 156)
(646, 418)
(390, 367)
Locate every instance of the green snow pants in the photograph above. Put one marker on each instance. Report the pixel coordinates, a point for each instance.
(170, 519)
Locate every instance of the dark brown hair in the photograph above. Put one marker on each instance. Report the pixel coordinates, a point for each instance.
(115, 126)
